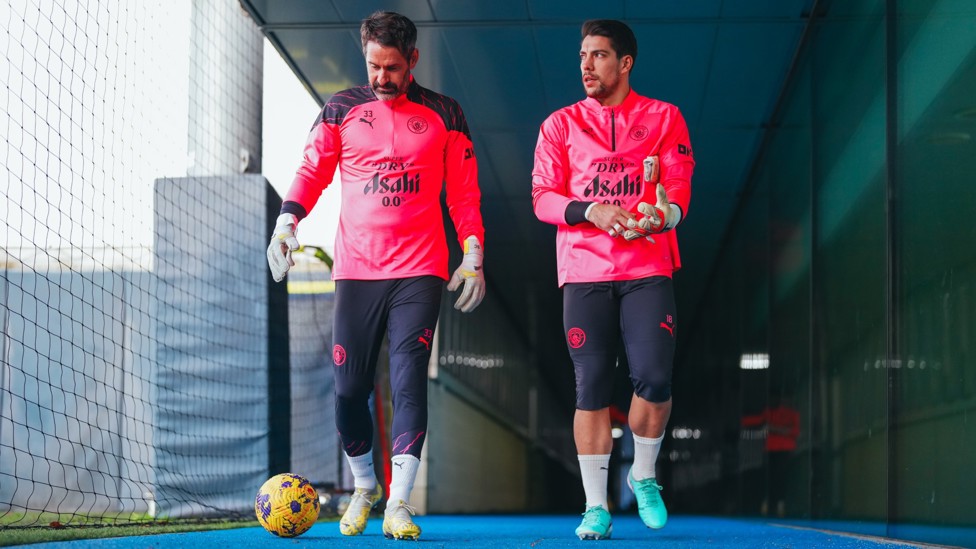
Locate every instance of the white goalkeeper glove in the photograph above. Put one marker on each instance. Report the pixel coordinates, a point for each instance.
(662, 216)
(283, 243)
(471, 274)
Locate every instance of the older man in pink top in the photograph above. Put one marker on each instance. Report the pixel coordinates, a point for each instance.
(396, 146)
(613, 173)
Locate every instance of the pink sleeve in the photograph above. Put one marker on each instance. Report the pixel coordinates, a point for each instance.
(321, 156)
(463, 194)
(677, 162)
(550, 174)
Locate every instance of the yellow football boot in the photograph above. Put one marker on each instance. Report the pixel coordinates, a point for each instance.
(397, 523)
(353, 521)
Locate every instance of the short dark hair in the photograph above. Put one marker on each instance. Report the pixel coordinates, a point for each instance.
(622, 39)
(389, 29)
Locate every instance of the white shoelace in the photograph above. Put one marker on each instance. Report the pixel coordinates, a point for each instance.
(398, 511)
(360, 499)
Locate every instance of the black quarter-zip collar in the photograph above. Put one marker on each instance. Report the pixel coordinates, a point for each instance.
(613, 131)
(594, 104)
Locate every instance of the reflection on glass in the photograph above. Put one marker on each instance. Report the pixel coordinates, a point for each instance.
(778, 427)
(863, 294)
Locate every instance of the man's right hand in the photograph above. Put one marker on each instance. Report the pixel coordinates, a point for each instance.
(283, 243)
(610, 218)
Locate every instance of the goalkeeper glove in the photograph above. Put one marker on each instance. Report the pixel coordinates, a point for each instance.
(660, 217)
(471, 274)
(283, 243)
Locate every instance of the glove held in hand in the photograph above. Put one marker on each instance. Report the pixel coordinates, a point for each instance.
(283, 243)
(471, 275)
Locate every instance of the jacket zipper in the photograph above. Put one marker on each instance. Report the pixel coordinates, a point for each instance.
(613, 133)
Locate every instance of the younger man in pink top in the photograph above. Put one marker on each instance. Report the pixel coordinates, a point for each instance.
(613, 173)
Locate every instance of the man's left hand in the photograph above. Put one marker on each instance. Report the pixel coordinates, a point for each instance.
(471, 274)
(657, 218)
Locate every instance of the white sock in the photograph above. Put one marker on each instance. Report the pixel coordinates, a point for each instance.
(645, 456)
(594, 470)
(364, 476)
(404, 473)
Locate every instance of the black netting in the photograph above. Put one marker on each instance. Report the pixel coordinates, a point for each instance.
(139, 350)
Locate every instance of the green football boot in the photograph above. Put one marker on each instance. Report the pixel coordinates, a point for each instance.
(596, 524)
(650, 506)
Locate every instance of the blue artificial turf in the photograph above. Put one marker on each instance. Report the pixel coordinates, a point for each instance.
(535, 531)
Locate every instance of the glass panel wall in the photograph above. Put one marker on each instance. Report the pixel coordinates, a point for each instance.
(838, 332)
(934, 169)
(848, 103)
(787, 166)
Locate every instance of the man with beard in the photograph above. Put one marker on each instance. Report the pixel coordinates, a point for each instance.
(396, 145)
(613, 173)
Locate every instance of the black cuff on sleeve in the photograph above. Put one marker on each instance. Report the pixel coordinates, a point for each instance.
(576, 212)
(294, 208)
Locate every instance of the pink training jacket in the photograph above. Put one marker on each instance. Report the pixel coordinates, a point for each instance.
(590, 153)
(394, 157)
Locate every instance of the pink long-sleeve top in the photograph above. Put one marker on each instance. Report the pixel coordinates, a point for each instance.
(394, 158)
(590, 153)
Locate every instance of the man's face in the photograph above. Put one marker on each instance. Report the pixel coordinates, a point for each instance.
(600, 66)
(388, 70)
